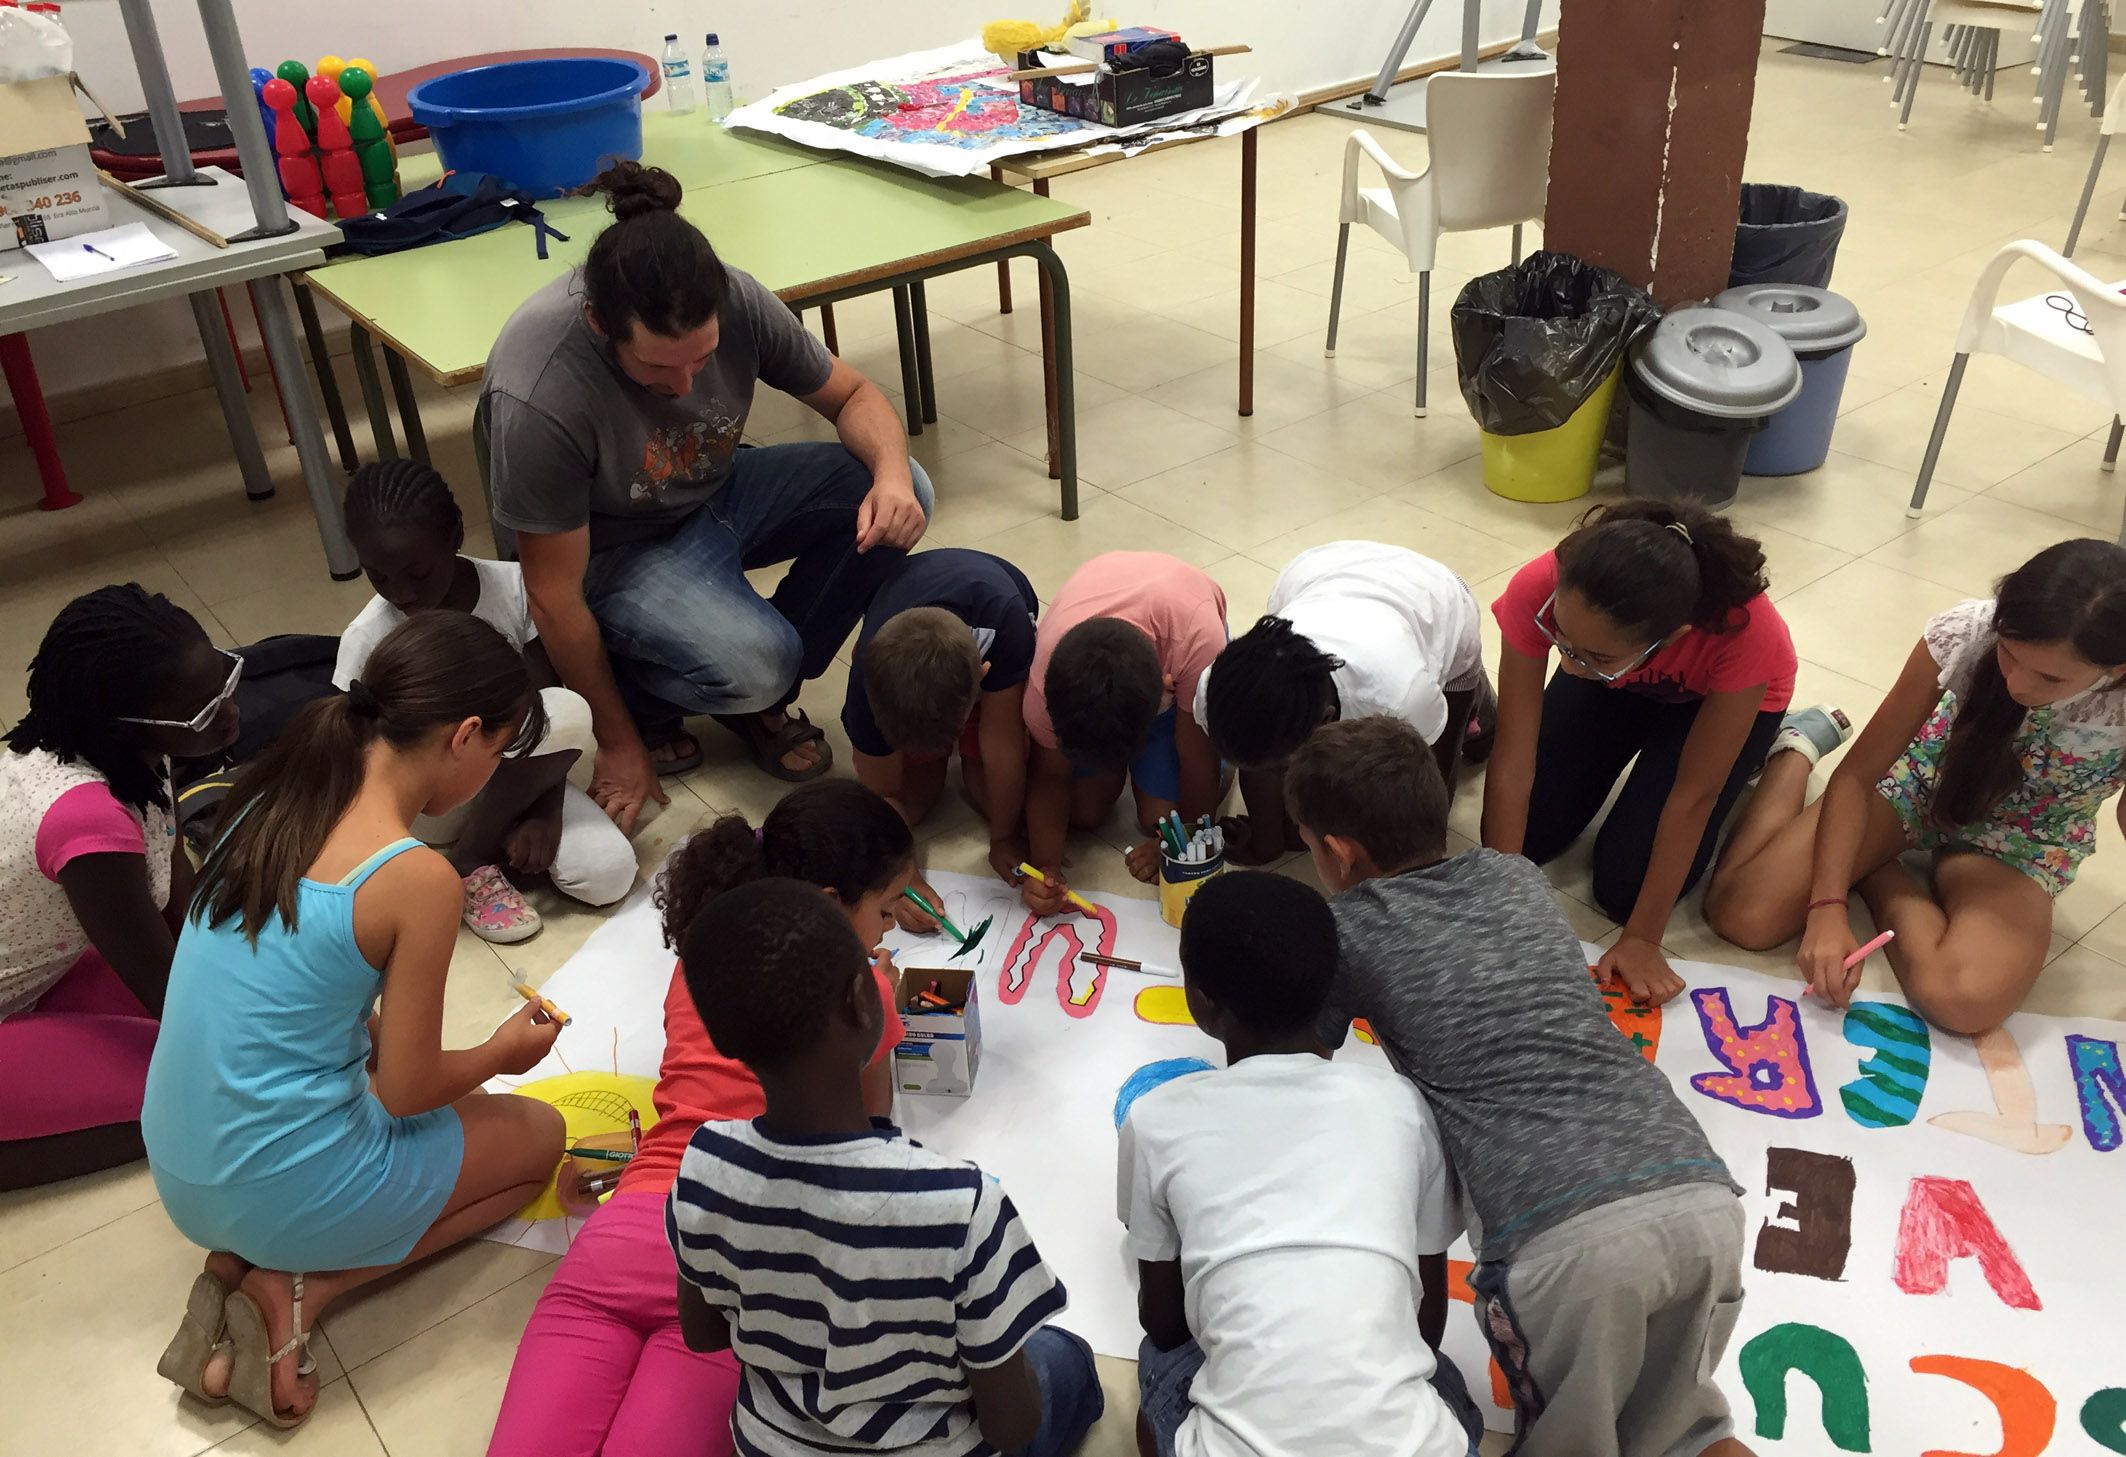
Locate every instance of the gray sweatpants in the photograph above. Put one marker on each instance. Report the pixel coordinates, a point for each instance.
(1609, 1327)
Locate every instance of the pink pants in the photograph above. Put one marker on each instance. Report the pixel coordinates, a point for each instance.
(78, 1059)
(602, 1367)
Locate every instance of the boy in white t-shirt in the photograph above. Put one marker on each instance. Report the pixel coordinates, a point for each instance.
(529, 820)
(1352, 629)
(1290, 1216)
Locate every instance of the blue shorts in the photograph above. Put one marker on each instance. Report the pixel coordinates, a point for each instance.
(1156, 771)
(1163, 1379)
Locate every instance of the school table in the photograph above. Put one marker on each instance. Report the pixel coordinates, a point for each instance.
(33, 299)
(815, 229)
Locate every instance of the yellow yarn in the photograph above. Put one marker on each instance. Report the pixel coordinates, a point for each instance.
(1007, 38)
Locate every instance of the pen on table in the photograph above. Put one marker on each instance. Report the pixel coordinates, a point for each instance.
(603, 1155)
(92, 248)
(1125, 964)
(1070, 895)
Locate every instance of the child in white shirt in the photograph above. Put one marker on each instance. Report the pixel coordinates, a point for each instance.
(1290, 1216)
(529, 821)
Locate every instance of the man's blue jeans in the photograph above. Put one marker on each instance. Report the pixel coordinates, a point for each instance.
(685, 630)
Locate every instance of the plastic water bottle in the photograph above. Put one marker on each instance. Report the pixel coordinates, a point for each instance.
(678, 78)
(716, 79)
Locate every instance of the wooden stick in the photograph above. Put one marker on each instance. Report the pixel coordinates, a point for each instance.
(1079, 68)
(163, 210)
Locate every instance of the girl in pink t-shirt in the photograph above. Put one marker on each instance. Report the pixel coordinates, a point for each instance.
(93, 875)
(1671, 659)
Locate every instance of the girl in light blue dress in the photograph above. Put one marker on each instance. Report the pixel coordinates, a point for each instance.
(309, 1145)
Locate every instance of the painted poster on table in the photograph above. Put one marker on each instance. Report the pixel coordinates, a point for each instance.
(947, 113)
(1932, 1258)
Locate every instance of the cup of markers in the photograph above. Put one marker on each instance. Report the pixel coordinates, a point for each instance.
(1188, 856)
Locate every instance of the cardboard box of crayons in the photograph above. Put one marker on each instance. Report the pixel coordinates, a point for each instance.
(48, 186)
(940, 1048)
(1119, 98)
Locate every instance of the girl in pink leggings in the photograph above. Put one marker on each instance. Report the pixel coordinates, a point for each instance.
(603, 1366)
(93, 875)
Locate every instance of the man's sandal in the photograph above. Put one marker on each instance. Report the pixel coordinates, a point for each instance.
(204, 1331)
(251, 1372)
(769, 746)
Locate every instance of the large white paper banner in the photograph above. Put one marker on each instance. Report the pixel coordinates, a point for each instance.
(946, 113)
(1934, 1254)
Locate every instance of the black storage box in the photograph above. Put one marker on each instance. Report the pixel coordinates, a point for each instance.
(1119, 98)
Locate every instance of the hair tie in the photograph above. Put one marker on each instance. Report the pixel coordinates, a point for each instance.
(1683, 531)
(760, 837)
(361, 702)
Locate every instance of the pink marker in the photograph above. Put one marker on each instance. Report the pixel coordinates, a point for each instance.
(1870, 949)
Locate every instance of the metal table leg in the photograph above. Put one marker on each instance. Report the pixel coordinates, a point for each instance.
(919, 309)
(28, 394)
(1247, 270)
(323, 483)
(328, 383)
(911, 376)
(996, 174)
(1063, 423)
(1049, 382)
(409, 407)
(372, 393)
(235, 410)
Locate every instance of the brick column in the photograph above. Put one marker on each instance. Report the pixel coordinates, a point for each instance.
(1653, 115)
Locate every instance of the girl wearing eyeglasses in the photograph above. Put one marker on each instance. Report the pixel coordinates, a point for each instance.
(93, 875)
(1669, 654)
(1994, 752)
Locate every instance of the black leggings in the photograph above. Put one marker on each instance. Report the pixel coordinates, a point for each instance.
(1590, 732)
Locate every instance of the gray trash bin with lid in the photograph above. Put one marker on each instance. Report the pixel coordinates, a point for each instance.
(1702, 384)
(1822, 327)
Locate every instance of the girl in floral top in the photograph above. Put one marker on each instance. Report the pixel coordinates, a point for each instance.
(2004, 736)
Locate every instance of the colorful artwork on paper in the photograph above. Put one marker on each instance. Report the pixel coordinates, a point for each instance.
(1925, 1254)
(966, 110)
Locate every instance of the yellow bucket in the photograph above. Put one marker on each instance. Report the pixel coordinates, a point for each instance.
(1180, 880)
(1557, 464)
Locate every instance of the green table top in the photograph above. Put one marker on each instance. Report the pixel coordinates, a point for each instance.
(802, 223)
(695, 150)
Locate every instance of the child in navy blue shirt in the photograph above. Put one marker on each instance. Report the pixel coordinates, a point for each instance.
(941, 663)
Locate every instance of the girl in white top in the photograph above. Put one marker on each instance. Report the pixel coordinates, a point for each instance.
(2002, 739)
(529, 821)
(1353, 629)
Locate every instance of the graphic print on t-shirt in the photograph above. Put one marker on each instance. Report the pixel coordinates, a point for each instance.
(682, 453)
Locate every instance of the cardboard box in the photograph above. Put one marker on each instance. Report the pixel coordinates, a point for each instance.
(1120, 98)
(48, 184)
(939, 1052)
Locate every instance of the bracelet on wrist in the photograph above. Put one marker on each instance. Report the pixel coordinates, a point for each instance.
(1840, 901)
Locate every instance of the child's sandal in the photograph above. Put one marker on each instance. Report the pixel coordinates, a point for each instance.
(203, 1332)
(251, 1372)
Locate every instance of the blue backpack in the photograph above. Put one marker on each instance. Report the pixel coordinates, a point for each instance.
(458, 205)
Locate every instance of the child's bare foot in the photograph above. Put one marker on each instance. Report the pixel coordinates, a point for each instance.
(274, 1291)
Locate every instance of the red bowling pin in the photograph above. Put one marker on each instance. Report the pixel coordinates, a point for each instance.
(342, 169)
(298, 169)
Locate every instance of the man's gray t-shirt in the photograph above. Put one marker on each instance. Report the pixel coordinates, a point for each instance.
(1477, 988)
(574, 441)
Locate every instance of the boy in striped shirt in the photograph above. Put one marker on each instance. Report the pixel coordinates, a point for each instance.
(878, 1297)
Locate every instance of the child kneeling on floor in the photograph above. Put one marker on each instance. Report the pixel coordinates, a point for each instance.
(311, 1143)
(1290, 1216)
(529, 821)
(879, 1297)
(1608, 1233)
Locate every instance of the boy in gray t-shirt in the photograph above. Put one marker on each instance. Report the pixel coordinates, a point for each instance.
(1608, 1232)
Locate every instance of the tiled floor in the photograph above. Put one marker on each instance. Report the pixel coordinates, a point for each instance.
(91, 1274)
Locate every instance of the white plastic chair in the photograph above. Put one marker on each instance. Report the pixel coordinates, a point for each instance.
(2106, 130)
(1489, 137)
(2038, 335)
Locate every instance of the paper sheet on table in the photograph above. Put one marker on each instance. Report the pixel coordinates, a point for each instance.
(1931, 1244)
(944, 113)
(106, 251)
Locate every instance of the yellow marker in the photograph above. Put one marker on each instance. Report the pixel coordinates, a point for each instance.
(526, 991)
(1070, 895)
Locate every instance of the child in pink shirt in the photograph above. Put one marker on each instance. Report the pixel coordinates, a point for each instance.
(1123, 645)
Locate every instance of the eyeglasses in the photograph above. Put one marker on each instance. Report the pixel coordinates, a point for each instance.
(198, 722)
(1546, 620)
(2076, 319)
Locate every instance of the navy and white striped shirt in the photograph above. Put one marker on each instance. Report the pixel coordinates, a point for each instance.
(861, 1274)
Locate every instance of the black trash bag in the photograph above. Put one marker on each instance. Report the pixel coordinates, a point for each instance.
(1533, 341)
(1786, 235)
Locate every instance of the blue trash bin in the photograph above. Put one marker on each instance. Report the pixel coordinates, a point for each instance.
(1822, 327)
(547, 126)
